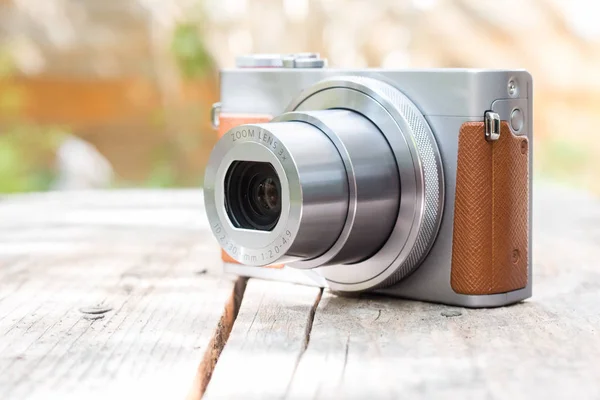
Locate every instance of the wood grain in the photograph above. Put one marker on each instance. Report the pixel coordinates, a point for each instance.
(146, 257)
(546, 347)
(170, 328)
(268, 338)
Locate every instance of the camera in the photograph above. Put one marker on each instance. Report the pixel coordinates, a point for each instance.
(410, 183)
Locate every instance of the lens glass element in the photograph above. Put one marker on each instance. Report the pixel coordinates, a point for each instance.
(252, 195)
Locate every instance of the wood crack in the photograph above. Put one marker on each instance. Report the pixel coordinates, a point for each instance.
(218, 340)
(309, 324)
(346, 349)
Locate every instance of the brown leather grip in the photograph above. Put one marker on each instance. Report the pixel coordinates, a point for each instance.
(226, 122)
(491, 215)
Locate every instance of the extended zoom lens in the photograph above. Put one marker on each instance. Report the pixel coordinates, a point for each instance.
(349, 181)
(252, 195)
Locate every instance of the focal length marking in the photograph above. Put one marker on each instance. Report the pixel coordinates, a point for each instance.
(232, 248)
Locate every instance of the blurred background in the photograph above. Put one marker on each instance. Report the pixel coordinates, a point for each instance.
(117, 93)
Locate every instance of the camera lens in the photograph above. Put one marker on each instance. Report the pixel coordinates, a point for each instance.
(253, 195)
(349, 182)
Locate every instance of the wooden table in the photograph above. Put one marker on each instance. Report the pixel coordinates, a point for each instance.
(120, 295)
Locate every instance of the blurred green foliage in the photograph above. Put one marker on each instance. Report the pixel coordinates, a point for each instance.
(26, 157)
(173, 160)
(194, 62)
(189, 51)
(162, 175)
(564, 160)
(27, 150)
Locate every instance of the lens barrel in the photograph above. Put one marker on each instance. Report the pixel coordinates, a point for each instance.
(348, 181)
(373, 181)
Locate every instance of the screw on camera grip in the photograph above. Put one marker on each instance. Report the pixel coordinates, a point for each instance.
(491, 216)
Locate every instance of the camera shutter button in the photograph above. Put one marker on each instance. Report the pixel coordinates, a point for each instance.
(303, 62)
(297, 60)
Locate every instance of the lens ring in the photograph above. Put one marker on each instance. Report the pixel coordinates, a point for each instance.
(417, 158)
(362, 234)
(308, 201)
(420, 167)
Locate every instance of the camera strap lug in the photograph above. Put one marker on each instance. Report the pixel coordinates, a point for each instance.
(492, 126)
(215, 111)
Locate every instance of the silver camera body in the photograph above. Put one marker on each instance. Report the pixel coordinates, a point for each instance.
(357, 180)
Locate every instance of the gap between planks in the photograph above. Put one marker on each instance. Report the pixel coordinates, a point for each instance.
(218, 340)
(309, 325)
(267, 341)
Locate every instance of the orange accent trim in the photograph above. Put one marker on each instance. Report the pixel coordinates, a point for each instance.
(228, 259)
(226, 122)
(491, 215)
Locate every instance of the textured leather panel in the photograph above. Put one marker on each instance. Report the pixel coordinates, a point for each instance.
(226, 122)
(491, 215)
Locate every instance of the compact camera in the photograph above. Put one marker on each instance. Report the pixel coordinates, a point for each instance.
(411, 183)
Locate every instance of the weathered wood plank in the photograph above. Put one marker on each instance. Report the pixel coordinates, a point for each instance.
(268, 337)
(151, 258)
(146, 257)
(546, 347)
